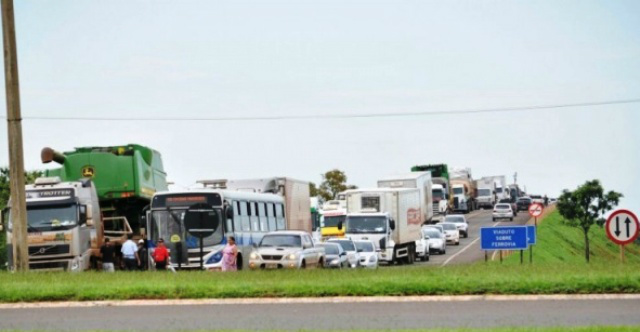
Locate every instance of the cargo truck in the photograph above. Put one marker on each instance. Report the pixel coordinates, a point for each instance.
(296, 196)
(491, 190)
(390, 217)
(464, 190)
(441, 187)
(417, 180)
(125, 177)
(63, 225)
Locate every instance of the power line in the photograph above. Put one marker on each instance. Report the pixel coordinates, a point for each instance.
(339, 116)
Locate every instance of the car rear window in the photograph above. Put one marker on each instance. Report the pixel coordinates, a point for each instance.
(503, 206)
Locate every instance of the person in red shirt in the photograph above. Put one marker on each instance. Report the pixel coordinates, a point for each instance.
(161, 256)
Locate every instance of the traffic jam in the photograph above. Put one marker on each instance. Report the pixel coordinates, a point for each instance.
(83, 215)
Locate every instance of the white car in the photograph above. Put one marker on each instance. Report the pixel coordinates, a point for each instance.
(451, 232)
(288, 250)
(350, 247)
(368, 254)
(461, 222)
(422, 249)
(502, 211)
(437, 242)
(436, 226)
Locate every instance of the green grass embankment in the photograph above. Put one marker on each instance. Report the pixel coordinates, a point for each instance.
(454, 280)
(558, 244)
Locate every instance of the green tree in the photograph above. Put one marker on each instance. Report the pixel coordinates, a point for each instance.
(333, 183)
(313, 189)
(586, 206)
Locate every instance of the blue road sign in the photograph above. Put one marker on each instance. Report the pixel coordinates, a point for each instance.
(531, 234)
(504, 238)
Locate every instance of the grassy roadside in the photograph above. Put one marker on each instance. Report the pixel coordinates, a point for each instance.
(455, 280)
(560, 244)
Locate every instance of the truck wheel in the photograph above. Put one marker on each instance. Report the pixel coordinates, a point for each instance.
(411, 256)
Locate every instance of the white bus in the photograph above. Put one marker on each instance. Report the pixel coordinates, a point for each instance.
(246, 217)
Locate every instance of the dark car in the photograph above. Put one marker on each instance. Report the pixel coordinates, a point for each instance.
(514, 206)
(523, 203)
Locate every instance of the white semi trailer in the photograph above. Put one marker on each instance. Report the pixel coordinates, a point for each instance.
(63, 224)
(417, 180)
(390, 217)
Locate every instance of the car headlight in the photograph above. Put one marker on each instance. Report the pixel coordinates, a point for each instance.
(292, 257)
(254, 255)
(215, 258)
(335, 261)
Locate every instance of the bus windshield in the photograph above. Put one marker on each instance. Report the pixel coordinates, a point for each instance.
(51, 218)
(332, 221)
(170, 223)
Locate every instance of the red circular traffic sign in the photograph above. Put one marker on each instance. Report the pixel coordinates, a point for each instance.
(622, 227)
(535, 209)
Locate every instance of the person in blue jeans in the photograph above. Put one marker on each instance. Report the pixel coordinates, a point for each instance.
(130, 254)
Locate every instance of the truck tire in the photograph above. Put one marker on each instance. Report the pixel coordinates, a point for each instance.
(411, 255)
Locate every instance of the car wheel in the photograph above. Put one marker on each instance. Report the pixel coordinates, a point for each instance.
(511, 219)
(427, 258)
(494, 219)
(458, 242)
(303, 265)
(321, 263)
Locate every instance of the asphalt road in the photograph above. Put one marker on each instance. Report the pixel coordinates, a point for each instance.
(329, 316)
(469, 249)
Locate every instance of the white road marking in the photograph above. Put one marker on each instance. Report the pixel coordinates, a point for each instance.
(465, 248)
(320, 300)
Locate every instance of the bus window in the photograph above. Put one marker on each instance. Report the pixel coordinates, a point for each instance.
(264, 225)
(237, 218)
(280, 216)
(271, 216)
(255, 218)
(244, 211)
(229, 222)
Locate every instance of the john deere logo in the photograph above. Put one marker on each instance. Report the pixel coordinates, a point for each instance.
(88, 172)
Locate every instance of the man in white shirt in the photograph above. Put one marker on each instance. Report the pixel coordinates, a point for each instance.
(130, 254)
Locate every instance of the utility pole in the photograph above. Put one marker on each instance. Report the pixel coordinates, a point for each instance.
(14, 126)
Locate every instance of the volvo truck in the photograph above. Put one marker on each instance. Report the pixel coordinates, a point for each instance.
(64, 228)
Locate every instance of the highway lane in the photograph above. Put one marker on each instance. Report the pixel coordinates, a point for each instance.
(330, 316)
(469, 249)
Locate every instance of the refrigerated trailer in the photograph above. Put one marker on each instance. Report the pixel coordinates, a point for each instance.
(390, 217)
(417, 180)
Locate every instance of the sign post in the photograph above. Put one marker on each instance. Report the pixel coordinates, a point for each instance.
(535, 210)
(201, 220)
(622, 228)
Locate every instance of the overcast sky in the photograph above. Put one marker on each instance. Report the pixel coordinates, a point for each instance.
(241, 59)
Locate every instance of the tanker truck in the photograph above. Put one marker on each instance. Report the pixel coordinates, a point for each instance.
(464, 190)
(125, 177)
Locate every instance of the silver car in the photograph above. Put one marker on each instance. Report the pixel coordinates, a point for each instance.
(335, 256)
(368, 254)
(461, 222)
(437, 242)
(350, 247)
(286, 250)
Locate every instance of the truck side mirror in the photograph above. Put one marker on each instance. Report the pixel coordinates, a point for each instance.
(392, 224)
(340, 225)
(383, 244)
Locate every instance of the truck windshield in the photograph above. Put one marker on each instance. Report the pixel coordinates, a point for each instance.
(361, 224)
(292, 241)
(170, 223)
(50, 218)
(332, 221)
(457, 191)
(484, 192)
(438, 194)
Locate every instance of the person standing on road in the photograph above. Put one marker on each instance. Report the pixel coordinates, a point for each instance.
(142, 254)
(130, 254)
(161, 255)
(230, 255)
(107, 250)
